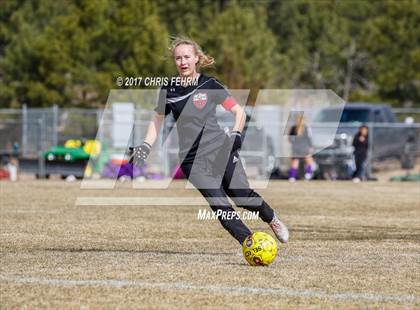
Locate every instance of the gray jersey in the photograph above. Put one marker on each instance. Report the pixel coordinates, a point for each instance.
(194, 109)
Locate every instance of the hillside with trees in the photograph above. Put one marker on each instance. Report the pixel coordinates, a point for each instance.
(69, 52)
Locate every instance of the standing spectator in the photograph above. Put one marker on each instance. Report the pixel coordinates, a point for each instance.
(360, 144)
(301, 141)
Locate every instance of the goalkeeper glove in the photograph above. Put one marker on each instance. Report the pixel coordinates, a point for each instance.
(138, 154)
(236, 141)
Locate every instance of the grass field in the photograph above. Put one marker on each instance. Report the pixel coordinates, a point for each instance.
(352, 245)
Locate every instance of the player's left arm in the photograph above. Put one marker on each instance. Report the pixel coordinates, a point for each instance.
(236, 135)
(240, 118)
(229, 103)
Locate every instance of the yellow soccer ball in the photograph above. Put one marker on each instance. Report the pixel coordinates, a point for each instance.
(259, 249)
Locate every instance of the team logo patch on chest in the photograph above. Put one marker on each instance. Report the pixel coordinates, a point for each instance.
(200, 100)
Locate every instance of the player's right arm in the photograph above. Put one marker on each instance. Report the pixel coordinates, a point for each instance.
(154, 128)
(138, 154)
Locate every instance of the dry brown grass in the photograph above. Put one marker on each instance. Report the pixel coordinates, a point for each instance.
(352, 246)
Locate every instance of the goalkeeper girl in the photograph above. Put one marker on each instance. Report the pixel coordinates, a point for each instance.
(209, 157)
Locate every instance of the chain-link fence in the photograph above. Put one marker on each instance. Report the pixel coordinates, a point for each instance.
(29, 133)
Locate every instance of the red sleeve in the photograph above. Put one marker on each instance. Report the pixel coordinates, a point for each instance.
(229, 103)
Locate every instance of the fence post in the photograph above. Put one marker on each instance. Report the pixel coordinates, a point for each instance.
(41, 160)
(55, 125)
(164, 148)
(24, 130)
(265, 154)
(371, 127)
(100, 123)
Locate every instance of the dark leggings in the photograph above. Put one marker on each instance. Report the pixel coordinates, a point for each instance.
(205, 174)
(360, 167)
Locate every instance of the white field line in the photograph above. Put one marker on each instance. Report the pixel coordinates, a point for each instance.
(148, 201)
(140, 201)
(153, 184)
(235, 290)
(12, 211)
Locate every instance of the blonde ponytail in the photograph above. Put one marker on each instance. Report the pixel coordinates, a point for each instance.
(203, 59)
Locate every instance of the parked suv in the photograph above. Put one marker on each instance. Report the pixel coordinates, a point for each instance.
(388, 138)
